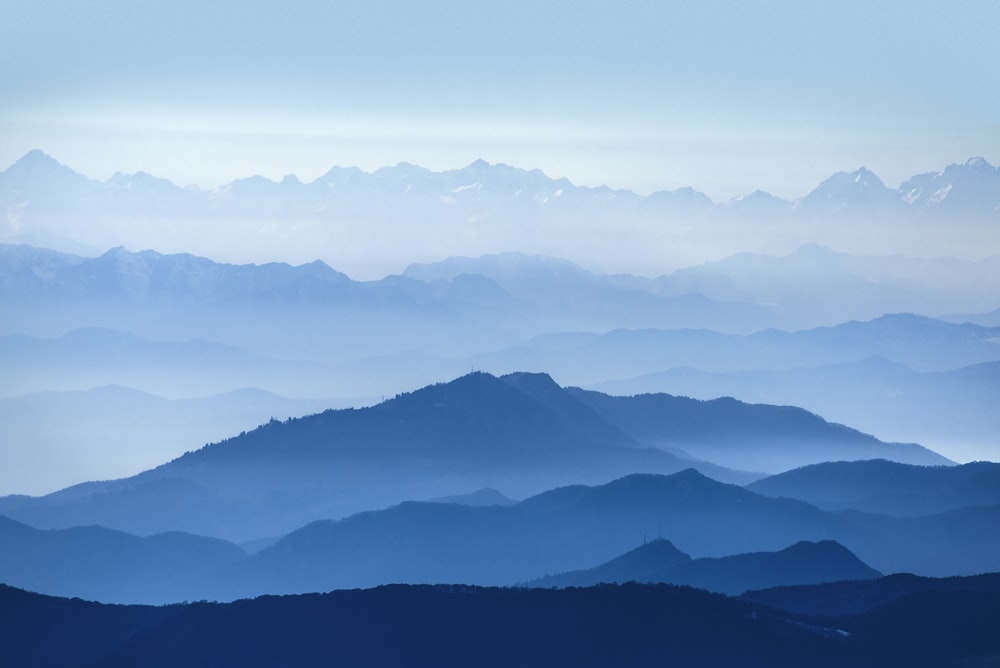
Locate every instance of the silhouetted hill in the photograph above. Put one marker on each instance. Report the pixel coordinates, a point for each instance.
(107, 565)
(841, 599)
(621, 625)
(563, 529)
(965, 541)
(659, 561)
(108, 422)
(656, 554)
(802, 563)
(744, 436)
(521, 433)
(633, 566)
(948, 410)
(887, 488)
(486, 496)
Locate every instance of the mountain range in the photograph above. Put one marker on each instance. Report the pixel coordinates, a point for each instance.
(627, 625)
(739, 540)
(404, 213)
(659, 561)
(520, 433)
(506, 499)
(180, 327)
(39, 181)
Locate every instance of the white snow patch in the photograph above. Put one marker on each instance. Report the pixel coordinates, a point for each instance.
(939, 196)
(471, 186)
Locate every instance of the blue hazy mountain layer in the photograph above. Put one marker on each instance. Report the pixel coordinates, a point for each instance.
(93, 562)
(520, 434)
(208, 328)
(622, 625)
(839, 599)
(803, 563)
(574, 528)
(876, 395)
(887, 488)
(38, 184)
(745, 436)
(565, 529)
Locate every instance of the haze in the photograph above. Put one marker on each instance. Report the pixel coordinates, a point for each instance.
(723, 96)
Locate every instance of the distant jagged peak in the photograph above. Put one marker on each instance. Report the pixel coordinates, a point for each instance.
(36, 159)
(685, 194)
(756, 196)
(978, 163)
(500, 267)
(37, 164)
(860, 179)
(123, 256)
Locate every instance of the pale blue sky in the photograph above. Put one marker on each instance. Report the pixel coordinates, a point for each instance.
(724, 96)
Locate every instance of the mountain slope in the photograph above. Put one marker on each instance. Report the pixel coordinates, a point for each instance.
(631, 625)
(951, 411)
(563, 529)
(111, 566)
(887, 488)
(520, 434)
(745, 436)
(658, 561)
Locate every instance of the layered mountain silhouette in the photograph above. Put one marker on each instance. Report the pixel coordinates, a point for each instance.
(839, 599)
(102, 564)
(573, 528)
(39, 181)
(659, 561)
(744, 436)
(740, 540)
(520, 433)
(936, 408)
(887, 488)
(630, 625)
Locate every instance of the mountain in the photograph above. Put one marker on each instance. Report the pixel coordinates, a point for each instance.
(486, 496)
(658, 561)
(946, 410)
(111, 566)
(839, 599)
(887, 488)
(115, 431)
(851, 195)
(86, 358)
(630, 625)
(563, 529)
(637, 565)
(34, 179)
(960, 191)
(551, 294)
(814, 285)
(918, 342)
(400, 213)
(737, 537)
(511, 291)
(520, 433)
(572, 528)
(744, 436)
